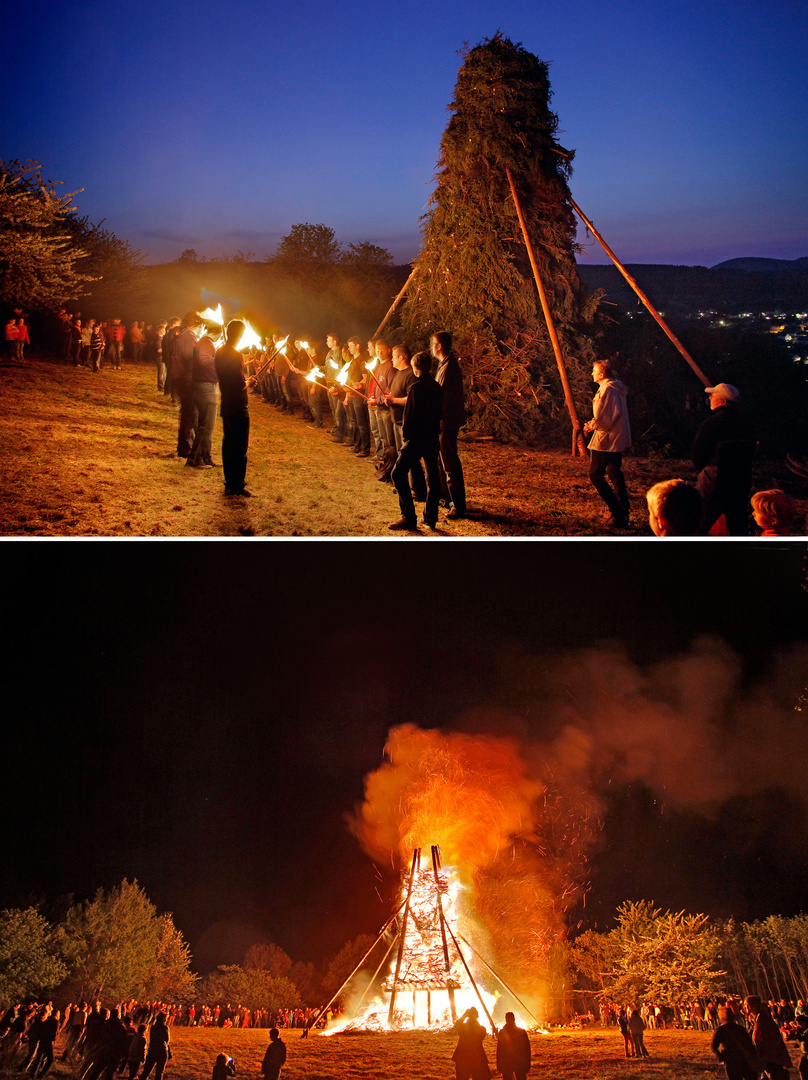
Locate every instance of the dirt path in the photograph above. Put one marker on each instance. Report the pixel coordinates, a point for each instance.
(85, 454)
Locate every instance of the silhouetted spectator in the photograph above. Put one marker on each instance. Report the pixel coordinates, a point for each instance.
(275, 1057)
(768, 1040)
(469, 1055)
(732, 1044)
(513, 1050)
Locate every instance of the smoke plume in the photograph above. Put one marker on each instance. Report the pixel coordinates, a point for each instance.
(517, 814)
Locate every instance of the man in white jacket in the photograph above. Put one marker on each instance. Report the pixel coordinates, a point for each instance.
(612, 435)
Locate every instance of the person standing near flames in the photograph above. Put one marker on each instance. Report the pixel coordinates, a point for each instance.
(275, 1057)
(182, 371)
(513, 1050)
(611, 436)
(449, 375)
(469, 1056)
(234, 409)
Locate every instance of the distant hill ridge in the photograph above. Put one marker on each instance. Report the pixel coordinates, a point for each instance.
(765, 266)
(738, 285)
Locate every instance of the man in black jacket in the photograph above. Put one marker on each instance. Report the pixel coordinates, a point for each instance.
(722, 453)
(450, 377)
(422, 433)
(513, 1050)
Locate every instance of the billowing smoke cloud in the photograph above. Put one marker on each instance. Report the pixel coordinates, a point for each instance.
(692, 727)
(518, 814)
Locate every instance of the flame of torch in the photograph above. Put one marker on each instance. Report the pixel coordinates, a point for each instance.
(211, 316)
(342, 378)
(314, 375)
(248, 338)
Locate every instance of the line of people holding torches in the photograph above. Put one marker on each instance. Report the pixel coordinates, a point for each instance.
(358, 391)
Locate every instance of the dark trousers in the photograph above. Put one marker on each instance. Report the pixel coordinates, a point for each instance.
(189, 418)
(451, 476)
(729, 497)
(316, 404)
(156, 1061)
(339, 415)
(235, 440)
(603, 463)
(362, 421)
(410, 455)
(417, 481)
(206, 398)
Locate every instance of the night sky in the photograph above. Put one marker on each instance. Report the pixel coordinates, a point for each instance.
(218, 126)
(201, 717)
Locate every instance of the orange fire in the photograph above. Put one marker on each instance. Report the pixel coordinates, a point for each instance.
(510, 849)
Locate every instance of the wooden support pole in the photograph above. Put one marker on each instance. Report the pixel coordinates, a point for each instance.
(447, 965)
(416, 858)
(578, 444)
(396, 302)
(680, 347)
(375, 975)
(334, 997)
(473, 983)
(501, 982)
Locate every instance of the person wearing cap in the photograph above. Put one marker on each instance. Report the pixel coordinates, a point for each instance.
(722, 454)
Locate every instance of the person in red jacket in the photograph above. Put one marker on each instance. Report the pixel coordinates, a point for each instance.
(22, 339)
(114, 336)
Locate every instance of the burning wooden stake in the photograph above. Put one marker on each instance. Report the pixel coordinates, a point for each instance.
(435, 865)
(416, 859)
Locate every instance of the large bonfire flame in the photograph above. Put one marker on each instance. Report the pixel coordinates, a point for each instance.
(479, 929)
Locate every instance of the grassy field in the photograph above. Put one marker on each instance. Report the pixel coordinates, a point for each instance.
(596, 1054)
(85, 454)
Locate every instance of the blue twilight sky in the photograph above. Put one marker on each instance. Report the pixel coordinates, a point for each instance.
(218, 126)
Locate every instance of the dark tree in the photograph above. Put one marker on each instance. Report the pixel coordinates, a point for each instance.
(308, 249)
(473, 274)
(113, 265)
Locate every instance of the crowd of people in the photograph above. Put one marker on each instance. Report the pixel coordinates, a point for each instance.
(750, 1036)
(360, 393)
(132, 1038)
(402, 412)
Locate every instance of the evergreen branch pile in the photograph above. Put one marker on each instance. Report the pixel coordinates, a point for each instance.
(473, 274)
